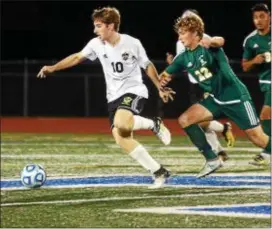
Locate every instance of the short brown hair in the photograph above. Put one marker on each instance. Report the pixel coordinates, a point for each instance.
(108, 15)
(192, 23)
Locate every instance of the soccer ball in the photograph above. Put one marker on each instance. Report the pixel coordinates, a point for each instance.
(33, 176)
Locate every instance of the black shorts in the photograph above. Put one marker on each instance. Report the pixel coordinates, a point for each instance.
(129, 101)
(195, 93)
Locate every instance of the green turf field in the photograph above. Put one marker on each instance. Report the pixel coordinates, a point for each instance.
(187, 202)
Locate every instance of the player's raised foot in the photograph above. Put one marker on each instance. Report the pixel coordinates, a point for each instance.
(210, 167)
(260, 160)
(160, 178)
(224, 156)
(161, 131)
(228, 135)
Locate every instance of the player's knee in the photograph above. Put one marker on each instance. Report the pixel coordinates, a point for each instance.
(257, 136)
(116, 136)
(120, 134)
(183, 121)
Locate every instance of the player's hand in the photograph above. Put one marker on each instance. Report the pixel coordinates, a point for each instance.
(169, 58)
(259, 59)
(164, 81)
(166, 93)
(205, 42)
(45, 70)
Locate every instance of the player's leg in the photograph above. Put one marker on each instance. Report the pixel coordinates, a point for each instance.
(245, 116)
(225, 129)
(264, 157)
(203, 111)
(212, 138)
(156, 125)
(123, 122)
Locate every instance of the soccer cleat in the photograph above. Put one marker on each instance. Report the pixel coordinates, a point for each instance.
(224, 156)
(161, 131)
(259, 160)
(228, 135)
(210, 167)
(160, 177)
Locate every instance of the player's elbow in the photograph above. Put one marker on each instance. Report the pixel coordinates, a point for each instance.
(220, 41)
(78, 57)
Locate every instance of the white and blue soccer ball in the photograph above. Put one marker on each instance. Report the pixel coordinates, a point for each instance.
(33, 176)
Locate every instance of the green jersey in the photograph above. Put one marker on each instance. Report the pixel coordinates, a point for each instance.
(210, 68)
(255, 44)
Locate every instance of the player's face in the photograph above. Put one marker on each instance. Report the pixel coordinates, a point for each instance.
(186, 37)
(261, 20)
(102, 30)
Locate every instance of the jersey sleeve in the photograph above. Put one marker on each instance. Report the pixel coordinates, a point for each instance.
(176, 66)
(88, 51)
(143, 60)
(248, 52)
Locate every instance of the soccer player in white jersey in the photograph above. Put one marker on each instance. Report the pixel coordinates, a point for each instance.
(122, 58)
(209, 127)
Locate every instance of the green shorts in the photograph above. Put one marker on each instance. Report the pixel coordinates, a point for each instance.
(267, 98)
(243, 114)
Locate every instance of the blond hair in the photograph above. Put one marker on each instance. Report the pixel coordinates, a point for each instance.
(108, 15)
(192, 23)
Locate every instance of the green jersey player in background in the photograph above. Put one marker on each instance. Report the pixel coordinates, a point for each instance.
(227, 94)
(210, 128)
(257, 55)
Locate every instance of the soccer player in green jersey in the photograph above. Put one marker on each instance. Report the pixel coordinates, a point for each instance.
(257, 54)
(227, 94)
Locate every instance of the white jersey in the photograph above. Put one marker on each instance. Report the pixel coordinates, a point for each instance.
(180, 49)
(121, 65)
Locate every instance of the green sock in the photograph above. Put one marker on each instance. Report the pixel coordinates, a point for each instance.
(197, 136)
(268, 147)
(266, 125)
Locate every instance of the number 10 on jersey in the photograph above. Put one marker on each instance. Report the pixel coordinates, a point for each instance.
(117, 67)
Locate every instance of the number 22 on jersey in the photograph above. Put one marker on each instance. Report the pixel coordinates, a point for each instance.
(203, 74)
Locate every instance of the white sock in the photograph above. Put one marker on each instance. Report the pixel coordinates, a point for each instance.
(143, 157)
(266, 156)
(141, 123)
(213, 141)
(216, 126)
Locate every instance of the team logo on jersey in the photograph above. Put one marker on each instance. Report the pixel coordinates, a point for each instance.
(125, 56)
(127, 101)
(203, 62)
(105, 55)
(189, 64)
(255, 46)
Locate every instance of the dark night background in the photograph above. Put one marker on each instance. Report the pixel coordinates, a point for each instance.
(48, 30)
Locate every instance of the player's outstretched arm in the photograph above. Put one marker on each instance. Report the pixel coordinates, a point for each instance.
(165, 94)
(67, 62)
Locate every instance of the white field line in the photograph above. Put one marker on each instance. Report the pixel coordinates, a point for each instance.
(179, 163)
(130, 198)
(190, 211)
(95, 156)
(148, 146)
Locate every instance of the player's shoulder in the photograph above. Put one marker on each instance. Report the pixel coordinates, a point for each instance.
(130, 39)
(250, 37)
(95, 42)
